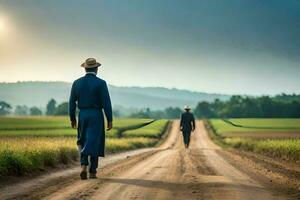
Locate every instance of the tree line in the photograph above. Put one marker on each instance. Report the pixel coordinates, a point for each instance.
(280, 106)
(22, 110)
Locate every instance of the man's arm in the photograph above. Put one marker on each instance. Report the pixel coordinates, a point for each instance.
(106, 103)
(181, 122)
(72, 106)
(193, 122)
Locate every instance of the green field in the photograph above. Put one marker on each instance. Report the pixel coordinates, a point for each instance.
(153, 130)
(257, 135)
(256, 125)
(29, 144)
(57, 126)
(30, 123)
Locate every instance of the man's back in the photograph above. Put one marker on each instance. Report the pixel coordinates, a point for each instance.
(187, 121)
(90, 91)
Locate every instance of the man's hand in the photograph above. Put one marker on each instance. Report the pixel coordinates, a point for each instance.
(109, 126)
(74, 124)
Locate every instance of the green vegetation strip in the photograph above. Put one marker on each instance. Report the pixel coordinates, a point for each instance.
(153, 130)
(20, 156)
(33, 123)
(257, 125)
(230, 122)
(58, 126)
(29, 144)
(286, 149)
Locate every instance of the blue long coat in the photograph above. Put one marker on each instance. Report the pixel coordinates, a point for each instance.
(90, 94)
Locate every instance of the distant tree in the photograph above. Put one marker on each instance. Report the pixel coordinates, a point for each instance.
(62, 109)
(142, 114)
(268, 107)
(217, 107)
(4, 108)
(238, 106)
(287, 97)
(233, 108)
(35, 111)
(172, 113)
(21, 110)
(51, 107)
(250, 108)
(204, 110)
(158, 114)
(116, 113)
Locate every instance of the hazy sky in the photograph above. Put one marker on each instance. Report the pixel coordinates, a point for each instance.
(229, 46)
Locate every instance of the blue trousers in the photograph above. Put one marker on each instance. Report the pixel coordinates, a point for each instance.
(84, 160)
(186, 137)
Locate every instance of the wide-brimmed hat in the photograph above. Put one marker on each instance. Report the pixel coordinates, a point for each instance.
(187, 108)
(90, 63)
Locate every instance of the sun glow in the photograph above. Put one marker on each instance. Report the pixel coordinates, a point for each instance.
(2, 25)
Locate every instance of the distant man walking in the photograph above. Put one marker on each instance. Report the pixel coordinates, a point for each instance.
(90, 94)
(187, 124)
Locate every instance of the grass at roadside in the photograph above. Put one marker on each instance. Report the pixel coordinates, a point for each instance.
(29, 144)
(285, 149)
(21, 155)
(153, 130)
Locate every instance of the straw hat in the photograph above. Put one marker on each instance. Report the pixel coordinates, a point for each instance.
(90, 63)
(187, 108)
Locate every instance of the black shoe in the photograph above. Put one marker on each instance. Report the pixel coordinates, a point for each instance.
(92, 176)
(83, 175)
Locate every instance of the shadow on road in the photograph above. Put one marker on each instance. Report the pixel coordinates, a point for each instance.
(193, 185)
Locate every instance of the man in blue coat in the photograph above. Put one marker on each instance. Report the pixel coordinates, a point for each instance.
(90, 94)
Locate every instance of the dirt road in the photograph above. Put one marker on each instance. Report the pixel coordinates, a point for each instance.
(168, 172)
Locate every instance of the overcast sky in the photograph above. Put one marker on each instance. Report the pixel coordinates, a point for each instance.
(232, 46)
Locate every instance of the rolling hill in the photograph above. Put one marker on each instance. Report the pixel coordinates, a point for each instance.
(39, 93)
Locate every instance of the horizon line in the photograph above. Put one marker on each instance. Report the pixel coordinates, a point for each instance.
(162, 87)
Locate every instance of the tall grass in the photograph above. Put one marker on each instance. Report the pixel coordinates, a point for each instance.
(30, 144)
(21, 155)
(288, 149)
